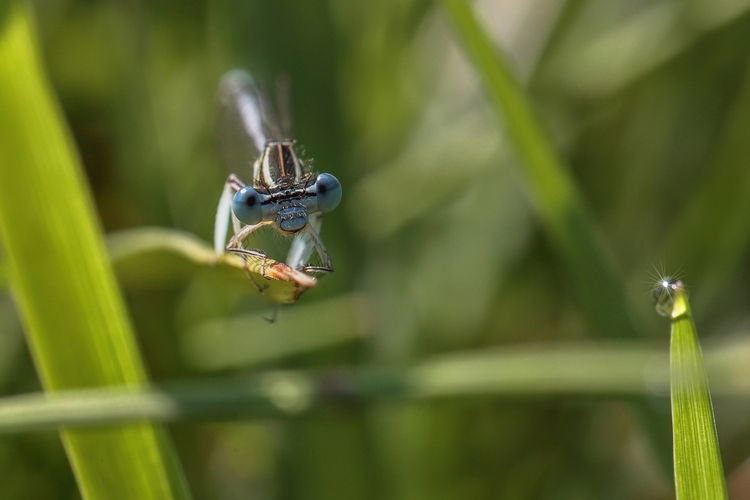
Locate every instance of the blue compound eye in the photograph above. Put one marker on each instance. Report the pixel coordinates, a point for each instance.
(246, 206)
(328, 189)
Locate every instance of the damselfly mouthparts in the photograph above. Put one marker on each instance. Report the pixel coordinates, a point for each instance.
(282, 193)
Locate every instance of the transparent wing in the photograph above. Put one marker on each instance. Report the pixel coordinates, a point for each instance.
(245, 122)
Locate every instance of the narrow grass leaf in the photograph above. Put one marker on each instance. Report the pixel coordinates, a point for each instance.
(601, 369)
(74, 317)
(698, 470)
(595, 369)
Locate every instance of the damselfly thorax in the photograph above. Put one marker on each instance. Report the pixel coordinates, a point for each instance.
(278, 165)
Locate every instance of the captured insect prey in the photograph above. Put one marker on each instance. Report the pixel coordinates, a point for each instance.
(282, 193)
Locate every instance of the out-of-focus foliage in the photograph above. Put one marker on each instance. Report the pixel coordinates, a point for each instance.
(436, 244)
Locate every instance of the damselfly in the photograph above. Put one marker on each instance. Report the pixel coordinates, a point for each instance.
(282, 193)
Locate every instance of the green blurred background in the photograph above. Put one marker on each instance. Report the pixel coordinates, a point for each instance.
(436, 245)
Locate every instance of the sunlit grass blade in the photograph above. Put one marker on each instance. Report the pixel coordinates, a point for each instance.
(281, 284)
(698, 470)
(74, 317)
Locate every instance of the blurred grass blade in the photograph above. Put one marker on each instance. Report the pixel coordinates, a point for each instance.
(698, 470)
(281, 285)
(556, 198)
(75, 320)
(561, 209)
(581, 369)
(573, 369)
(272, 394)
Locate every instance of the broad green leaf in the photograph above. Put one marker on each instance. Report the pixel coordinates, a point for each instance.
(698, 470)
(74, 317)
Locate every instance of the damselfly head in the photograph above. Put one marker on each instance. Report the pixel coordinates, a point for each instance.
(287, 205)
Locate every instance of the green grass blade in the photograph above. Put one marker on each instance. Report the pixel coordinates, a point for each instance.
(590, 369)
(555, 195)
(272, 394)
(75, 319)
(698, 470)
(608, 369)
